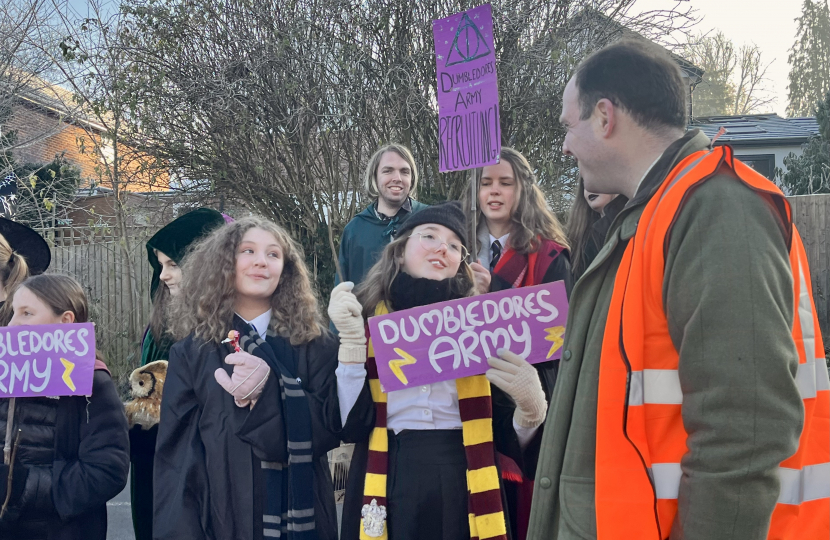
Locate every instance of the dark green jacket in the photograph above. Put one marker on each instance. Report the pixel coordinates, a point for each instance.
(728, 297)
(364, 238)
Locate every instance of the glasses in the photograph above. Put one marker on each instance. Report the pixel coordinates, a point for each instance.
(431, 242)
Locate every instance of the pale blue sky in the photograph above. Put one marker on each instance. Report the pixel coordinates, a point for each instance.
(770, 24)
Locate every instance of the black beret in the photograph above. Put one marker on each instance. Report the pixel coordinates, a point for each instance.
(448, 214)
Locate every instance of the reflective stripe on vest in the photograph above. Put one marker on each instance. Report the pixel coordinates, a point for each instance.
(640, 434)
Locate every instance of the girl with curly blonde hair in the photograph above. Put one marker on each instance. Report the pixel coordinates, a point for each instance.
(241, 449)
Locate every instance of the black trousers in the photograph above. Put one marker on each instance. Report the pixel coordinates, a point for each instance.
(427, 486)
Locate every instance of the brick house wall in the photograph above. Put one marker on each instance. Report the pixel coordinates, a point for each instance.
(44, 134)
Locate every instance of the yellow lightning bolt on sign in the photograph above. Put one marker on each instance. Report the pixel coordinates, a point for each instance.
(69, 366)
(396, 365)
(555, 337)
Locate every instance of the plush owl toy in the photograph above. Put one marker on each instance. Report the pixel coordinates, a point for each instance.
(146, 386)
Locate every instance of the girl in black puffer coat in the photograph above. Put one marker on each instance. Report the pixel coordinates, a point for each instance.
(73, 452)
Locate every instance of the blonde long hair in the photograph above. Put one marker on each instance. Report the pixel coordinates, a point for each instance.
(13, 271)
(208, 293)
(376, 287)
(370, 175)
(532, 217)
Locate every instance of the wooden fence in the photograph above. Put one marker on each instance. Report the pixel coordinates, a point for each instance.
(119, 295)
(117, 290)
(810, 214)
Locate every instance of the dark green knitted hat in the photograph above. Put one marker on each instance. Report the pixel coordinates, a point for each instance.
(174, 239)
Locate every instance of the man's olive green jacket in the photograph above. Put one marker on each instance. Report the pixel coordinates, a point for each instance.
(728, 297)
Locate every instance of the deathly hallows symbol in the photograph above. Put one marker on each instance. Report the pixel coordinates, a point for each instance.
(468, 44)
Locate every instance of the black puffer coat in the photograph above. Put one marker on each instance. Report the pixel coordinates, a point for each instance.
(76, 450)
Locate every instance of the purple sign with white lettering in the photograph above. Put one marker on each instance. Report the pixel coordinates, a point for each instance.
(449, 340)
(468, 91)
(47, 360)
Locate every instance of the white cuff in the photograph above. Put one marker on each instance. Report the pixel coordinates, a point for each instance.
(350, 381)
(352, 354)
(524, 434)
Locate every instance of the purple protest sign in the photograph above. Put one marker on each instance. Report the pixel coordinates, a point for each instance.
(449, 340)
(469, 131)
(47, 360)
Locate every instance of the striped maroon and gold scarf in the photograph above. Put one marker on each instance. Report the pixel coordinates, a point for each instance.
(476, 409)
(527, 270)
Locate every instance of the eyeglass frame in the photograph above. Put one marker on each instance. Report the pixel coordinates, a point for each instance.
(464, 254)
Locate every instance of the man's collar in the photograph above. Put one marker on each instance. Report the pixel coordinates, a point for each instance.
(405, 207)
(664, 164)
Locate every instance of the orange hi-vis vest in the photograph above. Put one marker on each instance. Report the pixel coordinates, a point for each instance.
(640, 434)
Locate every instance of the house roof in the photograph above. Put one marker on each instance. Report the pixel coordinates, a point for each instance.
(758, 129)
(55, 99)
(616, 30)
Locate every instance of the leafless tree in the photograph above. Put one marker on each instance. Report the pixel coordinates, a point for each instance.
(734, 79)
(278, 105)
(26, 73)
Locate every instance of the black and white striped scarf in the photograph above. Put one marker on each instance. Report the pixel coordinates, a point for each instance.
(288, 509)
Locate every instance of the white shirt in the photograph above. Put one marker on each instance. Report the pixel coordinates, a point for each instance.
(485, 255)
(433, 406)
(260, 323)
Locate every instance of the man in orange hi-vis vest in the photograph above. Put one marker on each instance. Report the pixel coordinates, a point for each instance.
(693, 400)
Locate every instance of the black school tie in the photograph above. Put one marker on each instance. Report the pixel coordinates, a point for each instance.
(495, 254)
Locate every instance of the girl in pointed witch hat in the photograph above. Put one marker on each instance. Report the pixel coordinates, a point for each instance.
(23, 252)
(424, 467)
(241, 447)
(165, 253)
(523, 244)
(64, 458)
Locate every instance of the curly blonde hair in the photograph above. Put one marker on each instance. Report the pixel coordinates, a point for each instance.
(208, 293)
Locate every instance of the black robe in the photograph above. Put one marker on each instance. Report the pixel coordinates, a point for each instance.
(361, 421)
(208, 453)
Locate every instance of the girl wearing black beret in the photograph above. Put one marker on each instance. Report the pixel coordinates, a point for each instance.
(426, 461)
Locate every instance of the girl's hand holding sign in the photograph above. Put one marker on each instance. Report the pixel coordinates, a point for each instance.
(519, 379)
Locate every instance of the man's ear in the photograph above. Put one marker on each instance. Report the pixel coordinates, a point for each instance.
(605, 116)
(67, 317)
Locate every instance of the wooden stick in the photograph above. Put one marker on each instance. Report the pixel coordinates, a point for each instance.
(10, 476)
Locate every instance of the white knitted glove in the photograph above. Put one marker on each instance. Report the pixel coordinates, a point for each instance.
(520, 381)
(346, 314)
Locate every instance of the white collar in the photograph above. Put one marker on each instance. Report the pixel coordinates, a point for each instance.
(502, 240)
(260, 323)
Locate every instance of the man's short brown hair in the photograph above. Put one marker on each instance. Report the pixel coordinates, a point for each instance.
(638, 77)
